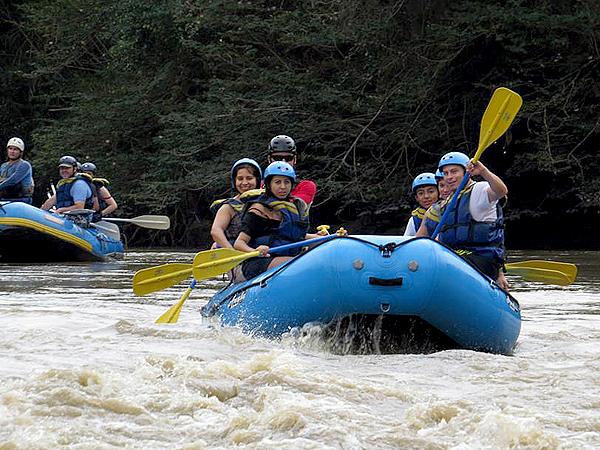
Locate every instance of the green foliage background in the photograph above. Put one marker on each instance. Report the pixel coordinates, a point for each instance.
(163, 96)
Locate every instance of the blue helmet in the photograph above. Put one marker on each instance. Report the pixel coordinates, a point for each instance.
(458, 158)
(424, 179)
(439, 175)
(245, 162)
(279, 168)
(88, 167)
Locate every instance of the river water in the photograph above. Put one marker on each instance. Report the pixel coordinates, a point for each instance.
(83, 365)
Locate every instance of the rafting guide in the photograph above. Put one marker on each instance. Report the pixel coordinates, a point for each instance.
(16, 177)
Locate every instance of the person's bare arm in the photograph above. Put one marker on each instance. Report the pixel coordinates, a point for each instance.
(111, 204)
(220, 224)
(497, 188)
(48, 204)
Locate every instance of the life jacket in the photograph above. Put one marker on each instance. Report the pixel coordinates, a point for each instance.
(63, 191)
(20, 191)
(462, 232)
(417, 217)
(292, 228)
(235, 225)
(98, 183)
(432, 217)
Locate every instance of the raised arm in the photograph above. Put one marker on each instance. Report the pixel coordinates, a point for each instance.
(497, 188)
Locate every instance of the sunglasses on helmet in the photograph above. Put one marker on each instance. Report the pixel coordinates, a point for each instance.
(286, 158)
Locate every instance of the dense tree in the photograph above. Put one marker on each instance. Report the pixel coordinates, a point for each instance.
(164, 96)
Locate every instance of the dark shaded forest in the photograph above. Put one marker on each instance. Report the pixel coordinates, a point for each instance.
(164, 96)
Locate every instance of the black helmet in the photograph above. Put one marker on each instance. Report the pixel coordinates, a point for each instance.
(282, 144)
(67, 161)
(88, 167)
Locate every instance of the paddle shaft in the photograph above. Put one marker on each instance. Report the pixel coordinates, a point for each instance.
(222, 265)
(148, 221)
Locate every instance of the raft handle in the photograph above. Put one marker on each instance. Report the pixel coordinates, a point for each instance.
(385, 281)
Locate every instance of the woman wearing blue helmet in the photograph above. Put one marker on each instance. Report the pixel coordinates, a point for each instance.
(245, 176)
(475, 225)
(425, 189)
(275, 218)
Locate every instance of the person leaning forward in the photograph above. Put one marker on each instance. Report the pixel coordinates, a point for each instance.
(16, 175)
(73, 191)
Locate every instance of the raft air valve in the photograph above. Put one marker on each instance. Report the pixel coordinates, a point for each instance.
(358, 264)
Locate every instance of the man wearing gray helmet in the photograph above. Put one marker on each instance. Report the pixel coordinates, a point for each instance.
(73, 191)
(16, 178)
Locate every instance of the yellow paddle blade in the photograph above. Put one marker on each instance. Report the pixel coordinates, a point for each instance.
(172, 314)
(498, 116)
(211, 263)
(161, 277)
(568, 269)
(542, 275)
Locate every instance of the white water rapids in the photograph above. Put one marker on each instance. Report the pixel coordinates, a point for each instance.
(83, 365)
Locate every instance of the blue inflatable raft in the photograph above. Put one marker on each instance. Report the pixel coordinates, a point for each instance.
(29, 234)
(385, 294)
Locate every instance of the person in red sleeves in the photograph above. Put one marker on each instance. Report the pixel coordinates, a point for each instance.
(283, 148)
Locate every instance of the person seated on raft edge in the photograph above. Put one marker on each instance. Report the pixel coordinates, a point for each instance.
(245, 176)
(283, 148)
(275, 218)
(73, 191)
(432, 216)
(425, 189)
(106, 203)
(16, 176)
(475, 226)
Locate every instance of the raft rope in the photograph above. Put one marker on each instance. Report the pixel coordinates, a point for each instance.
(211, 309)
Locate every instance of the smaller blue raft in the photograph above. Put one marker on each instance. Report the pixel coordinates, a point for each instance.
(29, 234)
(409, 294)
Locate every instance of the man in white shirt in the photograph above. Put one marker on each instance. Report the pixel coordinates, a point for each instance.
(475, 225)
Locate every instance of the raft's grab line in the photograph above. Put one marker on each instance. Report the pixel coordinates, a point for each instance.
(385, 249)
(26, 223)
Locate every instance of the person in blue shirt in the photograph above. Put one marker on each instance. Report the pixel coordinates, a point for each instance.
(73, 191)
(16, 176)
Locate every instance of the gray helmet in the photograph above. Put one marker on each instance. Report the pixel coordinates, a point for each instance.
(67, 161)
(282, 143)
(88, 167)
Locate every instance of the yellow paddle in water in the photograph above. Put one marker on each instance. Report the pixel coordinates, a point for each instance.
(551, 272)
(172, 314)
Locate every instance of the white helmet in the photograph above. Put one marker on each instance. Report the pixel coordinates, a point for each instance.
(16, 142)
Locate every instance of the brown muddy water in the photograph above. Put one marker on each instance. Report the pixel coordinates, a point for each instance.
(83, 365)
